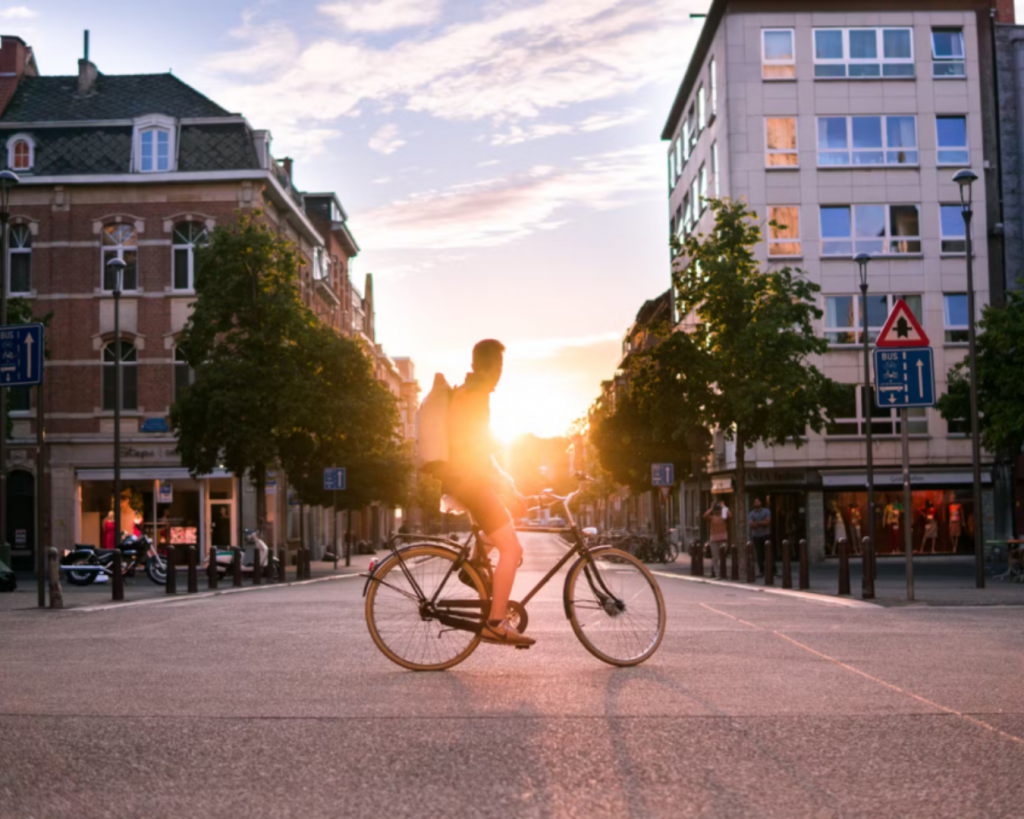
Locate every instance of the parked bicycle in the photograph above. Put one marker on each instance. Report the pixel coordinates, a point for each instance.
(427, 601)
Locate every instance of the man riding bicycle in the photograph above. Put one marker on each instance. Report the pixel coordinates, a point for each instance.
(472, 478)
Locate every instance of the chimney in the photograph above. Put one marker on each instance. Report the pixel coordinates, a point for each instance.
(286, 163)
(1004, 11)
(86, 71)
(16, 61)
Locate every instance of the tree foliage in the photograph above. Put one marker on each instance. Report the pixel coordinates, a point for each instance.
(1000, 356)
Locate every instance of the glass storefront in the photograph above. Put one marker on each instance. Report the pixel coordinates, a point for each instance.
(941, 520)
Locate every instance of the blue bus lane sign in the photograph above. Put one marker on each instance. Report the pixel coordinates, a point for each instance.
(904, 377)
(21, 355)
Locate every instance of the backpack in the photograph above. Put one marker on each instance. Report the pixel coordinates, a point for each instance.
(432, 428)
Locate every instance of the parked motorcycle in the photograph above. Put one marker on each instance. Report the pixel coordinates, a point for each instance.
(85, 564)
(268, 561)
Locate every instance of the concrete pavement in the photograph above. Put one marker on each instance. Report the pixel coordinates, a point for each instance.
(278, 704)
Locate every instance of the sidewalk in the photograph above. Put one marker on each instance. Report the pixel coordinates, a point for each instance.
(938, 581)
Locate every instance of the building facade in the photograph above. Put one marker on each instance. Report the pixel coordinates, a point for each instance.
(846, 127)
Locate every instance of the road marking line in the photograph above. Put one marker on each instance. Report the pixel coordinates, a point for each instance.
(191, 598)
(810, 597)
(891, 686)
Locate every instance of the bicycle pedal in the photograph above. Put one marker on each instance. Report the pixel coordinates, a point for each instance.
(521, 647)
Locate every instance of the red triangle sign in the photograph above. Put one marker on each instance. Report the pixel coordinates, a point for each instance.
(902, 329)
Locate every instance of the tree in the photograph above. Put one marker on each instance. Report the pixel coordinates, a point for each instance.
(1000, 357)
(742, 367)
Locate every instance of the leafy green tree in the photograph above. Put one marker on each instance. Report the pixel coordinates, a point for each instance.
(1000, 356)
(742, 366)
(427, 500)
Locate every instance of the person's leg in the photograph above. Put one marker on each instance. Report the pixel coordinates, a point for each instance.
(759, 551)
(510, 552)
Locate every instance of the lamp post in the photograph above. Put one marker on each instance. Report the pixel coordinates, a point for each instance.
(965, 179)
(117, 266)
(8, 180)
(868, 569)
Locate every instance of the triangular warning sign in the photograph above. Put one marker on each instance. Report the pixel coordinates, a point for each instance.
(902, 329)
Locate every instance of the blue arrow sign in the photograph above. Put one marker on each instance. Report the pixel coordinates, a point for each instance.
(904, 377)
(334, 479)
(21, 355)
(663, 474)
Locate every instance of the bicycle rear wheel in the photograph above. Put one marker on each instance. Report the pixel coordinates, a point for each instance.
(400, 621)
(615, 607)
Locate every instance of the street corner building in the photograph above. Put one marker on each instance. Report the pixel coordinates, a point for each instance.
(142, 168)
(845, 127)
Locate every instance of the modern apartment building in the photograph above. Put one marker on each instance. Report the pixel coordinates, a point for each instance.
(846, 127)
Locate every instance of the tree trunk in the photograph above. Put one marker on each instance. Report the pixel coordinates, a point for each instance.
(656, 512)
(261, 498)
(739, 527)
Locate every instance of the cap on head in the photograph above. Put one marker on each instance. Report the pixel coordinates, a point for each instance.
(487, 354)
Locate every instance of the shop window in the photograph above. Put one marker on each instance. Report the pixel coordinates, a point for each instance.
(780, 139)
(955, 315)
(184, 375)
(186, 238)
(948, 53)
(120, 242)
(951, 138)
(20, 259)
(876, 229)
(863, 53)
(778, 60)
(843, 315)
(129, 377)
(847, 141)
(784, 230)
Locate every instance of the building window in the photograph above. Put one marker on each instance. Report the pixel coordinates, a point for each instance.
(687, 214)
(851, 416)
(186, 238)
(684, 139)
(951, 138)
(780, 137)
(183, 374)
(863, 53)
(948, 53)
(155, 153)
(672, 166)
(783, 230)
(20, 259)
(954, 312)
(120, 242)
(129, 377)
(844, 141)
(19, 399)
(876, 229)
(679, 158)
(21, 152)
(951, 223)
(691, 130)
(714, 167)
(703, 176)
(843, 316)
(778, 58)
(958, 426)
(702, 110)
(713, 80)
(695, 199)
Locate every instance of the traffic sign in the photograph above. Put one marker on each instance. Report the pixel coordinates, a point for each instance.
(21, 355)
(334, 479)
(901, 329)
(904, 378)
(663, 474)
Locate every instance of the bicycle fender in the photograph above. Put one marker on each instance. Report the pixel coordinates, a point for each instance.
(371, 576)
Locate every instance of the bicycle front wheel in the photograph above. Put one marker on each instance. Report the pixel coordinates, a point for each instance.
(398, 613)
(615, 607)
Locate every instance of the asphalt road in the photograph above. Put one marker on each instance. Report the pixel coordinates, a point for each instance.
(276, 703)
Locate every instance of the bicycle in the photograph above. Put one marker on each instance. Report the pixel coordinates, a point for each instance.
(427, 601)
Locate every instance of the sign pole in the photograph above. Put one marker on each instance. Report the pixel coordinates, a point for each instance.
(908, 529)
(335, 530)
(40, 499)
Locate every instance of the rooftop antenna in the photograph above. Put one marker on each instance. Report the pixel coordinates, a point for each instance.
(86, 38)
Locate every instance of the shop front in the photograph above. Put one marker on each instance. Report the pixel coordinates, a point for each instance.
(783, 492)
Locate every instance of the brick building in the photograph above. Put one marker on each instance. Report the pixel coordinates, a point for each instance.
(140, 167)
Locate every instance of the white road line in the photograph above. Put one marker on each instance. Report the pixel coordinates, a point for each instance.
(809, 597)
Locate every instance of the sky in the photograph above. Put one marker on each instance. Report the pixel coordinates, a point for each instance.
(500, 161)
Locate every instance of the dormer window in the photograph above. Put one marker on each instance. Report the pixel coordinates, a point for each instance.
(155, 144)
(21, 153)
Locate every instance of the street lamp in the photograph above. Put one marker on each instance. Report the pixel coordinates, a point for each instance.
(8, 180)
(965, 179)
(868, 559)
(116, 267)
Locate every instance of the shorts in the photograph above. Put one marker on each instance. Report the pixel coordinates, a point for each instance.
(481, 501)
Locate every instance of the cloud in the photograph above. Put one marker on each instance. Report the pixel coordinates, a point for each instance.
(542, 348)
(18, 13)
(595, 122)
(383, 15)
(500, 210)
(386, 140)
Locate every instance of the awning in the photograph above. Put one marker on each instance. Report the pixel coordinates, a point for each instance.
(147, 473)
(918, 477)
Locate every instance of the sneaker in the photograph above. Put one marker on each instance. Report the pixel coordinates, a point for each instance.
(504, 634)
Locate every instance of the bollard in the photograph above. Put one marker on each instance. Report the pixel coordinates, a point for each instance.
(117, 578)
(212, 571)
(56, 593)
(844, 566)
(723, 556)
(236, 568)
(309, 563)
(735, 552)
(257, 566)
(190, 562)
(787, 566)
(171, 586)
(282, 553)
(751, 563)
(805, 573)
(769, 564)
(867, 580)
(305, 562)
(697, 559)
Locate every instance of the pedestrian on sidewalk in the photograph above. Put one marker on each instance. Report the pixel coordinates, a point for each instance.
(760, 520)
(719, 537)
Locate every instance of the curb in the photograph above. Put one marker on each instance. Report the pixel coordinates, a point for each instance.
(810, 597)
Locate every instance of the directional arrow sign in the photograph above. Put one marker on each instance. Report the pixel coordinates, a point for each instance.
(334, 479)
(901, 329)
(904, 377)
(21, 355)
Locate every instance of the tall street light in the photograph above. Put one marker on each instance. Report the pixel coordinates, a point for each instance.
(965, 179)
(117, 266)
(868, 559)
(8, 180)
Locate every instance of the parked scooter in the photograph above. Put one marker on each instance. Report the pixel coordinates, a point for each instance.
(268, 562)
(85, 564)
